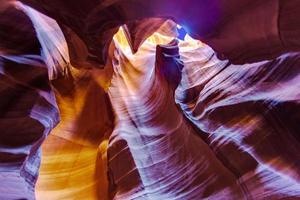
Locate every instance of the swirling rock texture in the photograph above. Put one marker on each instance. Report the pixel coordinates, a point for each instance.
(165, 118)
(243, 116)
(27, 107)
(162, 151)
(74, 154)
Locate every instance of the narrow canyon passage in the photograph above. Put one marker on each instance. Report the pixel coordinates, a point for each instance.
(115, 100)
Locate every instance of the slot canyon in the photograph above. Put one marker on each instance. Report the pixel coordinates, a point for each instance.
(149, 100)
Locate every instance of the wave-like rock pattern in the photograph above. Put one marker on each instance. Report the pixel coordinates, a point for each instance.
(249, 144)
(247, 115)
(74, 154)
(187, 125)
(28, 110)
(154, 152)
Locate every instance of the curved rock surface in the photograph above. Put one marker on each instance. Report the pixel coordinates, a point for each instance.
(164, 157)
(28, 110)
(165, 119)
(244, 115)
(74, 154)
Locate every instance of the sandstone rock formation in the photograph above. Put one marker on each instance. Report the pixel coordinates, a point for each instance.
(167, 117)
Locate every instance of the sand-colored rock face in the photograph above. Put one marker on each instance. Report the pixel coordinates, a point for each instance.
(74, 154)
(165, 119)
(154, 151)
